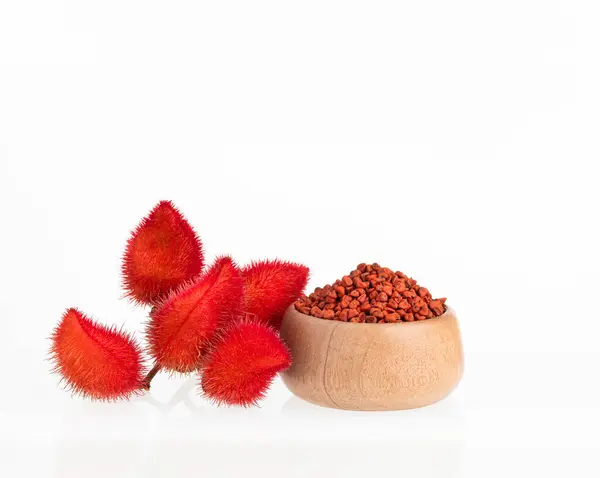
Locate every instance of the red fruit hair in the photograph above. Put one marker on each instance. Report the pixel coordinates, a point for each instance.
(162, 253)
(96, 361)
(245, 359)
(271, 287)
(180, 330)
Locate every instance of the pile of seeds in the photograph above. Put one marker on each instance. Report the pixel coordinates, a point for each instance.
(372, 294)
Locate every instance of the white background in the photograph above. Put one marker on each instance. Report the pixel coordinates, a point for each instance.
(455, 141)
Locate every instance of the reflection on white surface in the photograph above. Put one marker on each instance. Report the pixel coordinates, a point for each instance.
(184, 436)
(181, 396)
(173, 432)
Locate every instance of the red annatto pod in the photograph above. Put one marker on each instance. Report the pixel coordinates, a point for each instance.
(180, 329)
(96, 361)
(271, 287)
(244, 360)
(162, 253)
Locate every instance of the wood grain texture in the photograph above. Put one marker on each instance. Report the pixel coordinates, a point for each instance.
(372, 366)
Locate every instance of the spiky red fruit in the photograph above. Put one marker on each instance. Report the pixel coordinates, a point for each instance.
(271, 287)
(162, 253)
(96, 361)
(180, 330)
(244, 361)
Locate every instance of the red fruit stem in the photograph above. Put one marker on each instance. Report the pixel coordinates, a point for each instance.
(151, 374)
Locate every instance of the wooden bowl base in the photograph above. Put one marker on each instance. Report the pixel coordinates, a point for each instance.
(372, 366)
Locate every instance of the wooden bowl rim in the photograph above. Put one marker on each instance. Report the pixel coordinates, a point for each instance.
(447, 315)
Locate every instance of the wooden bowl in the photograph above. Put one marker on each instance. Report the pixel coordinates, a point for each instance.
(372, 366)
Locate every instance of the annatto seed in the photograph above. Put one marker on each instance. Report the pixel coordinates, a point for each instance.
(316, 312)
(352, 313)
(372, 294)
(376, 313)
(328, 314)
